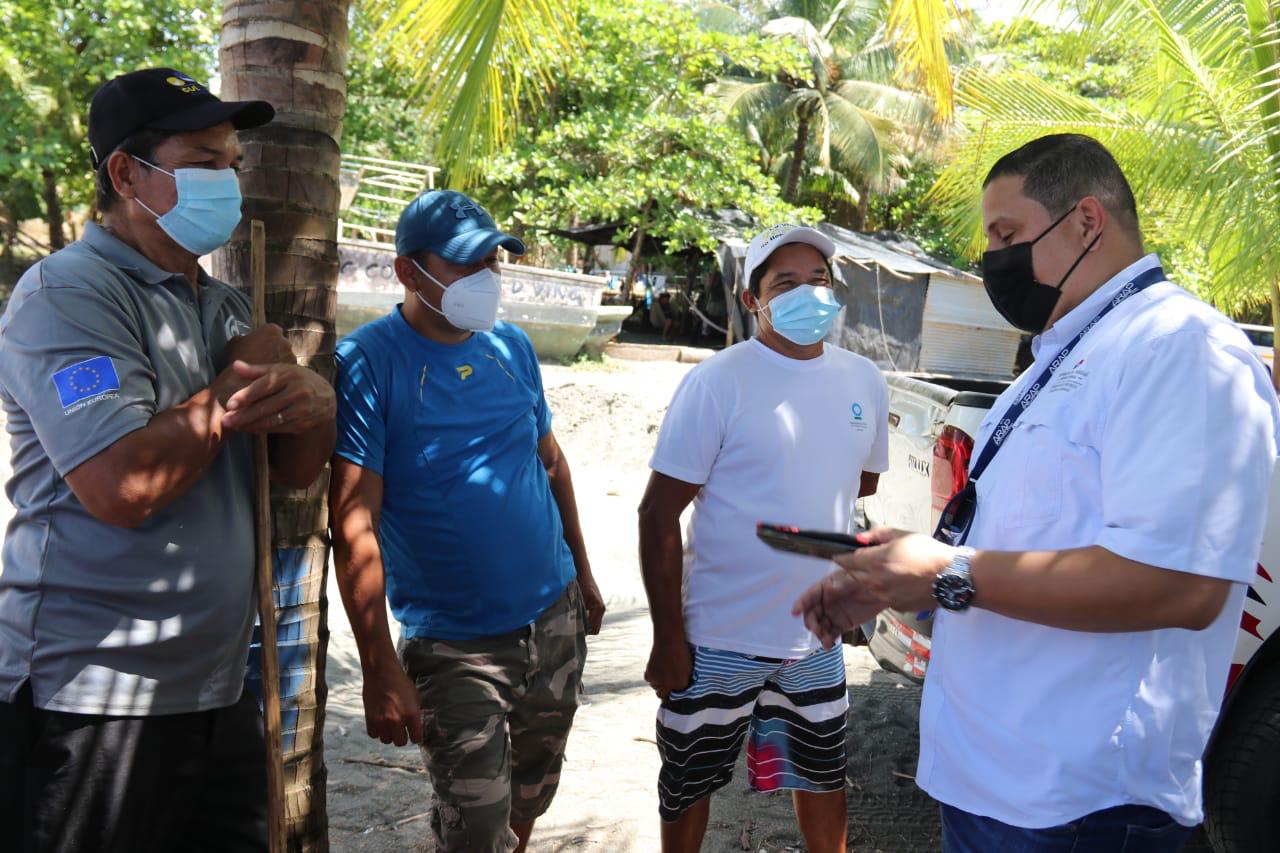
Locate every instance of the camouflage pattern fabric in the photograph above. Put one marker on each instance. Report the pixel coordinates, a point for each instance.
(496, 714)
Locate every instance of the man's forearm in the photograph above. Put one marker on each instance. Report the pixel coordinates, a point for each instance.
(358, 570)
(1093, 589)
(296, 460)
(562, 490)
(150, 467)
(662, 566)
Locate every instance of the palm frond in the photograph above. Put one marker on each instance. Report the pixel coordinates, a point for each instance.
(864, 140)
(748, 97)
(919, 30)
(1189, 182)
(474, 60)
(721, 18)
(804, 33)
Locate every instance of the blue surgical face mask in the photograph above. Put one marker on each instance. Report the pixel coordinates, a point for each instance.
(207, 210)
(804, 314)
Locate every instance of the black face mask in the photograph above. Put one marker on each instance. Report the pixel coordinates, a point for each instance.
(1010, 279)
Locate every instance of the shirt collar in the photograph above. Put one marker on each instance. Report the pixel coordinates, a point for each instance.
(124, 256)
(1069, 325)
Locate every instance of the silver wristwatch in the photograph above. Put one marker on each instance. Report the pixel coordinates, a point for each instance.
(953, 589)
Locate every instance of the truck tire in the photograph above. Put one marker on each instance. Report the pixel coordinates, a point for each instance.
(1242, 774)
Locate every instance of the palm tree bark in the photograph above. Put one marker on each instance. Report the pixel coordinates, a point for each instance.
(294, 55)
(798, 149)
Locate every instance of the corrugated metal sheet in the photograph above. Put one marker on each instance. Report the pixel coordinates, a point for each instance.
(959, 350)
(963, 303)
(963, 334)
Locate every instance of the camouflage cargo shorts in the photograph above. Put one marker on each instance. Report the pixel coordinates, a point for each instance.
(496, 714)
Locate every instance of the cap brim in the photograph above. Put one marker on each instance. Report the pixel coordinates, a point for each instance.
(241, 114)
(472, 246)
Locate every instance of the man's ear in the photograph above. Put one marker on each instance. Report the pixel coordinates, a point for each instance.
(750, 300)
(1093, 218)
(406, 272)
(125, 173)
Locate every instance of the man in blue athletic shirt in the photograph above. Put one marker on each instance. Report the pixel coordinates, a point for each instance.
(450, 496)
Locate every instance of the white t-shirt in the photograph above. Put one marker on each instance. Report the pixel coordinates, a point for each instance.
(773, 439)
(1154, 440)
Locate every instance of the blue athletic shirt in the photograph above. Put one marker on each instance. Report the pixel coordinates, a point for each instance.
(471, 538)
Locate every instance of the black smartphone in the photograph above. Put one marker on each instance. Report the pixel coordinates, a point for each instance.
(812, 543)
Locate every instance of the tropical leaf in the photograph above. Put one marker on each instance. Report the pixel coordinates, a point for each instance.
(805, 34)
(919, 30)
(1198, 170)
(474, 60)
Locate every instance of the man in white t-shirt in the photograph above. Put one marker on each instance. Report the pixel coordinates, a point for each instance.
(780, 428)
(1081, 651)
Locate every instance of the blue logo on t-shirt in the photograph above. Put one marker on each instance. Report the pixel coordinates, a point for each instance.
(857, 411)
(86, 379)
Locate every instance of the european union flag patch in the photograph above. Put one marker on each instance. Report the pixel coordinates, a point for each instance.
(86, 379)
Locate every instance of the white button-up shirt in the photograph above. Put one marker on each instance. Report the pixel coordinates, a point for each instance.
(1155, 439)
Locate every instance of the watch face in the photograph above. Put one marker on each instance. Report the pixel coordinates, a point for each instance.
(953, 592)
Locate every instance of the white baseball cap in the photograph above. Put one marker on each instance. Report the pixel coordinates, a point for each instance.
(769, 240)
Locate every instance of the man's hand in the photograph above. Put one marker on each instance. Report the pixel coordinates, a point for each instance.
(670, 667)
(593, 602)
(391, 710)
(897, 570)
(279, 398)
(834, 605)
(264, 345)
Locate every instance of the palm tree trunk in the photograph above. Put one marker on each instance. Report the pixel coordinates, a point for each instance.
(797, 156)
(53, 209)
(295, 56)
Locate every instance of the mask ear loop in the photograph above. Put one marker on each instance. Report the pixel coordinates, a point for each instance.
(760, 311)
(1087, 250)
(422, 298)
(150, 165)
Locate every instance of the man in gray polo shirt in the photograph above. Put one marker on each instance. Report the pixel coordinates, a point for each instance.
(131, 382)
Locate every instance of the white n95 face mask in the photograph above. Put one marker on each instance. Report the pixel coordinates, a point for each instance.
(470, 303)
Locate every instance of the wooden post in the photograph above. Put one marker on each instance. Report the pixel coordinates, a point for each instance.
(263, 569)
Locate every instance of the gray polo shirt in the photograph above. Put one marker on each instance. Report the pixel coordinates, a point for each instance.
(102, 619)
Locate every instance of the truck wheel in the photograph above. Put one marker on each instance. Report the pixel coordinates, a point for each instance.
(1242, 778)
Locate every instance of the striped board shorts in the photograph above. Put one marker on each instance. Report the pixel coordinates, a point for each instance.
(795, 710)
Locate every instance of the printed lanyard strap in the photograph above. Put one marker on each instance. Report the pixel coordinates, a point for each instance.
(1138, 284)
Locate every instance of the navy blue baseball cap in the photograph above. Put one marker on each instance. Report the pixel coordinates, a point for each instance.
(163, 99)
(448, 224)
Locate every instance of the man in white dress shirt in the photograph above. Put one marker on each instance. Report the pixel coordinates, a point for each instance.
(1081, 651)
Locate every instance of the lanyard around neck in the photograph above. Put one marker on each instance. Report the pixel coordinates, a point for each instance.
(1136, 285)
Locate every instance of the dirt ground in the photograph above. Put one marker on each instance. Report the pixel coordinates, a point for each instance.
(606, 418)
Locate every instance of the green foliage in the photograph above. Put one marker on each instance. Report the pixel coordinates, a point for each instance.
(1104, 68)
(1191, 113)
(842, 128)
(54, 54)
(475, 62)
(383, 118)
(628, 135)
(908, 211)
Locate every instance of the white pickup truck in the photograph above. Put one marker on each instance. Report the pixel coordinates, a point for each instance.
(932, 422)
